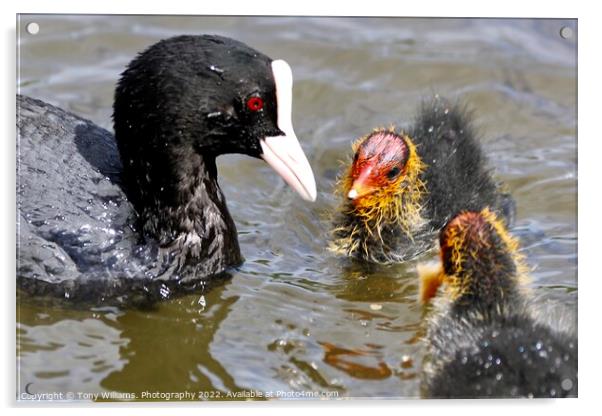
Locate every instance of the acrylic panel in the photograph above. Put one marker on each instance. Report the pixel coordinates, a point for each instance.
(136, 283)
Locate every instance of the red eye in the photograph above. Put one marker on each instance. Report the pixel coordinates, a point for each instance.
(255, 103)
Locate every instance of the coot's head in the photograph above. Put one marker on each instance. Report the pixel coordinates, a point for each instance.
(382, 183)
(480, 262)
(187, 99)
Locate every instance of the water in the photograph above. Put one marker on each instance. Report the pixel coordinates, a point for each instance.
(295, 318)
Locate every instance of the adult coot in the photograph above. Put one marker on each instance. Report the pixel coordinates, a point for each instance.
(134, 217)
(485, 336)
(401, 188)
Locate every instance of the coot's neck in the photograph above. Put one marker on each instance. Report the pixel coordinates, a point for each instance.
(182, 208)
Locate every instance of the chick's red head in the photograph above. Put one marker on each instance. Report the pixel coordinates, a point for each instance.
(378, 166)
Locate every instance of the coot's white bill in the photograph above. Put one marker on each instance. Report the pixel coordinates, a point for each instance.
(284, 153)
(285, 156)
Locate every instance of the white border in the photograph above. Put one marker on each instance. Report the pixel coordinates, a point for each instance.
(589, 190)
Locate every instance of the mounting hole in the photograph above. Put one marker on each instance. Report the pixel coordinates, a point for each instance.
(566, 32)
(32, 28)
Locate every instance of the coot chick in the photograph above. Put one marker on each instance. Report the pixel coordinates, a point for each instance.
(141, 215)
(401, 188)
(485, 337)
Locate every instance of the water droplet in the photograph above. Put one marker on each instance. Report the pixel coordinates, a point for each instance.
(216, 69)
(406, 361)
(164, 291)
(431, 129)
(498, 376)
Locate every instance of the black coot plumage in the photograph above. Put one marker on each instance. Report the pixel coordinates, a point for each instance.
(134, 217)
(401, 188)
(487, 336)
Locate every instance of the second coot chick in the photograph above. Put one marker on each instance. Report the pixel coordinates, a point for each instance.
(485, 337)
(401, 187)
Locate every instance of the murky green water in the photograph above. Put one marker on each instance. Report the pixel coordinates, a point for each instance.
(295, 318)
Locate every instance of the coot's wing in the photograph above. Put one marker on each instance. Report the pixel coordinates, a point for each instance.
(72, 213)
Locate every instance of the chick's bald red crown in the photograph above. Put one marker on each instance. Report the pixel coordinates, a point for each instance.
(473, 242)
(468, 231)
(380, 159)
(476, 233)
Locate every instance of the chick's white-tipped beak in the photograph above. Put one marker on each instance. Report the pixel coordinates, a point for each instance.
(284, 153)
